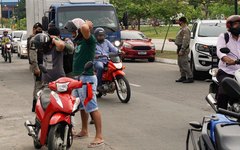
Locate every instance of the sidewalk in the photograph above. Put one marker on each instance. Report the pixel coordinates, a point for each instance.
(167, 61)
(170, 46)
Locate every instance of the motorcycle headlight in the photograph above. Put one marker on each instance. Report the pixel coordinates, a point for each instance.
(57, 98)
(24, 46)
(118, 65)
(76, 104)
(126, 45)
(117, 43)
(8, 45)
(202, 47)
(62, 87)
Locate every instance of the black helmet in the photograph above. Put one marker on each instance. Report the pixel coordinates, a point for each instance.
(42, 41)
(99, 31)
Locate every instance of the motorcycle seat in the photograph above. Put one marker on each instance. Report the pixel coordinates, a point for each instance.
(45, 98)
(227, 137)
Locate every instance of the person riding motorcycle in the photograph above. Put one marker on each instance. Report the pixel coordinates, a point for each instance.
(103, 48)
(228, 64)
(4, 40)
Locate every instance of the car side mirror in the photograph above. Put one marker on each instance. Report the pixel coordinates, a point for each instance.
(149, 40)
(45, 23)
(225, 50)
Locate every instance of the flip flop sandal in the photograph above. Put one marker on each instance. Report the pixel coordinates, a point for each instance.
(80, 136)
(95, 144)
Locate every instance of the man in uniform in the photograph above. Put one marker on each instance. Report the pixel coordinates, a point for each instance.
(35, 59)
(182, 41)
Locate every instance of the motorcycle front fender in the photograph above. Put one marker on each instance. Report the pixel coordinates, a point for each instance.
(119, 72)
(60, 117)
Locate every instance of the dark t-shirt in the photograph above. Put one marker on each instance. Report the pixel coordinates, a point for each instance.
(84, 52)
(53, 62)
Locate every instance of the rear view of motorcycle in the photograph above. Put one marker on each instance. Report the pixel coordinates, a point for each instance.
(7, 54)
(220, 131)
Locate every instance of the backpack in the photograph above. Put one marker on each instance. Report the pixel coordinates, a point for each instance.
(226, 37)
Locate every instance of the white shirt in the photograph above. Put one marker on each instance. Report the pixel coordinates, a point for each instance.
(234, 46)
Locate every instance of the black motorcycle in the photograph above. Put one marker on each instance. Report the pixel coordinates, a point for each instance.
(220, 131)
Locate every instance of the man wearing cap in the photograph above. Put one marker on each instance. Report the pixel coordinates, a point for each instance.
(182, 41)
(85, 52)
(35, 57)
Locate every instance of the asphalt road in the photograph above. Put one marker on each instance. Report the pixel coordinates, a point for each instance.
(156, 118)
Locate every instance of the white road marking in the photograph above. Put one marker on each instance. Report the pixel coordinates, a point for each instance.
(136, 85)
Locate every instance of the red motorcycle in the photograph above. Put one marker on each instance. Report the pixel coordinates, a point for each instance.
(54, 108)
(114, 79)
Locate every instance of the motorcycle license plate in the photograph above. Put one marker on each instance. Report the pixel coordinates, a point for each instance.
(142, 53)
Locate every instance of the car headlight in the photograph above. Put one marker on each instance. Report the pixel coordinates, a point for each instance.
(202, 47)
(24, 46)
(126, 45)
(24, 51)
(62, 87)
(57, 98)
(117, 43)
(76, 104)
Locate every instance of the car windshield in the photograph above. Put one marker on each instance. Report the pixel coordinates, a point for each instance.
(17, 34)
(211, 29)
(100, 16)
(24, 37)
(128, 35)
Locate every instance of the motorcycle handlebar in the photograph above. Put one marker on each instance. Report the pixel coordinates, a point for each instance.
(229, 113)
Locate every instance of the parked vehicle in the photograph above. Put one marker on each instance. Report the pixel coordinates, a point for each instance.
(16, 35)
(137, 46)
(54, 108)
(22, 46)
(7, 54)
(204, 36)
(114, 79)
(219, 131)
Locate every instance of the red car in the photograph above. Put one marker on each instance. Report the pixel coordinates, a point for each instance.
(137, 46)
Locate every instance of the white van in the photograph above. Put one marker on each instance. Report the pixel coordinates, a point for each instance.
(204, 37)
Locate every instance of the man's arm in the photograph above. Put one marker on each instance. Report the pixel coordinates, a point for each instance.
(186, 40)
(221, 43)
(60, 45)
(112, 48)
(86, 28)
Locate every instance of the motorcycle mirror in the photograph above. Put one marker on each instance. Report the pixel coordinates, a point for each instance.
(225, 50)
(88, 66)
(42, 68)
(195, 125)
(231, 87)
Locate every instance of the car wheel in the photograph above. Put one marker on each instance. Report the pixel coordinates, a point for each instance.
(196, 74)
(151, 59)
(18, 55)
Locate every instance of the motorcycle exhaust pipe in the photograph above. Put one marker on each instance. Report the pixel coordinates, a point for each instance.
(212, 102)
(29, 127)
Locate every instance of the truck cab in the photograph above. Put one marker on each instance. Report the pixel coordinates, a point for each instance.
(100, 12)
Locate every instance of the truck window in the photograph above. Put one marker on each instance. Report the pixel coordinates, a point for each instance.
(100, 16)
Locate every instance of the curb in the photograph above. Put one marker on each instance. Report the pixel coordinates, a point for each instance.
(166, 61)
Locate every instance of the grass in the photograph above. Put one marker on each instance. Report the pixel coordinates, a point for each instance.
(166, 54)
(160, 31)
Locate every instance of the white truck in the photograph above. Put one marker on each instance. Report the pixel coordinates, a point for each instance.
(58, 12)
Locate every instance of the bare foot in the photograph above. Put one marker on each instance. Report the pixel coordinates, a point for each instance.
(81, 134)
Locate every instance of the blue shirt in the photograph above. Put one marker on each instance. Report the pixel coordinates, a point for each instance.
(104, 49)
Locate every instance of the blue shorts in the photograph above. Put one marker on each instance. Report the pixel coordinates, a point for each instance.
(81, 93)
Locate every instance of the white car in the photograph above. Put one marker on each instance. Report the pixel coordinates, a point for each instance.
(204, 37)
(22, 46)
(16, 36)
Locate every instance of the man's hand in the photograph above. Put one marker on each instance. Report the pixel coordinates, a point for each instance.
(58, 42)
(37, 72)
(90, 24)
(228, 60)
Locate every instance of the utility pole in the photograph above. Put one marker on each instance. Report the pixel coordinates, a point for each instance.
(236, 7)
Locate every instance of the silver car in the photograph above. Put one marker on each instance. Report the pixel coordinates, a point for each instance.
(22, 46)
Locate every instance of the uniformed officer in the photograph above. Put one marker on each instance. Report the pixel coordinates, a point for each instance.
(228, 64)
(35, 59)
(182, 41)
